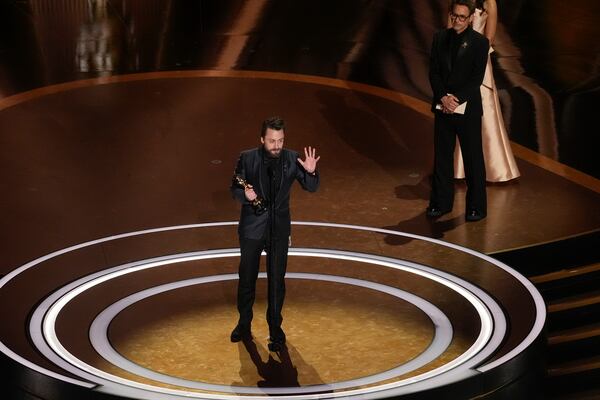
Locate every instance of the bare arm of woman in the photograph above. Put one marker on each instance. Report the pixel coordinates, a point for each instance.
(449, 22)
(492, 20)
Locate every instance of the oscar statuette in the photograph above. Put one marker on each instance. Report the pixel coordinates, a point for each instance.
(258, 203)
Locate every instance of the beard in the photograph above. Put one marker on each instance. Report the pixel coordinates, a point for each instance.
(275, 153)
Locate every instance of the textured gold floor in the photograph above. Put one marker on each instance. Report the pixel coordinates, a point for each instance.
(335, 333)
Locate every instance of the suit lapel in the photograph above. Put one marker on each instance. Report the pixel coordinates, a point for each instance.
(259, 168)
(448, 51)
(462, 47)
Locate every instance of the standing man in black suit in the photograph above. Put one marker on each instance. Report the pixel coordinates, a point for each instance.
(457, 66)
(267, 174)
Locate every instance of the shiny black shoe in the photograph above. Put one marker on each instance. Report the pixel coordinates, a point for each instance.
(434, 212)
(276, 346)
(277, 339)
(240, 333)
(474, 215)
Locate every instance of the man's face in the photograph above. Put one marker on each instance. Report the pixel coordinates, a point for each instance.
(273, 142)
(460, 18)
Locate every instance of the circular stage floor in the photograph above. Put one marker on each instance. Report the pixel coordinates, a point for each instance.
(119, 195)
(359, 323)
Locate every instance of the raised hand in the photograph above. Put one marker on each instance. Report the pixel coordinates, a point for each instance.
(310, 162)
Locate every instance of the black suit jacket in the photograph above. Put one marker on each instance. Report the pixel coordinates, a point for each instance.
(249, 167)
(464, 78)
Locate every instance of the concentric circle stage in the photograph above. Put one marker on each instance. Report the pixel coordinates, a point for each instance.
(360, 324)
(120, 204)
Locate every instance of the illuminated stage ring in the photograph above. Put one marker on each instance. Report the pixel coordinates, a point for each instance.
(100, 341)
(485, 344)
(526, 342)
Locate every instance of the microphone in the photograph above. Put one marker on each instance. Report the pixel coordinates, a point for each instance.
(270, 172)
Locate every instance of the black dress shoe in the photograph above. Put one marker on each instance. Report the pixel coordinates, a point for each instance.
(434, 212)
(276, 346)
(240, 333)
(474, 215)
(277, 343)
(277, 339)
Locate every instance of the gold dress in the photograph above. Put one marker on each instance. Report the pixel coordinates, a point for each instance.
(500, 163)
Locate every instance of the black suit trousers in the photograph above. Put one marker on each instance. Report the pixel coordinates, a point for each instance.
(277, 252)
(468, 130)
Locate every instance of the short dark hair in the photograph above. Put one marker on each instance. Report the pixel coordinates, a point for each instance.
(470, 4)
(274, 123)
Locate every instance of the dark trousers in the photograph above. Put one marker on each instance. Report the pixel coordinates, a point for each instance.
(468, 129)
(277, 251)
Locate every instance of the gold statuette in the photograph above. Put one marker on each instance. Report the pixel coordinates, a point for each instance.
(258, 203)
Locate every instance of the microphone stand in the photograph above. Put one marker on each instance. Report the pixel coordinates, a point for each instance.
(271, 258)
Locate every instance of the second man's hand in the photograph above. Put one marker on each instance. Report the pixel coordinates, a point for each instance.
(449, 103)
(310, 161)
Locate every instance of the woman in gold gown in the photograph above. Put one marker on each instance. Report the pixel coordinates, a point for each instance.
(500, 165)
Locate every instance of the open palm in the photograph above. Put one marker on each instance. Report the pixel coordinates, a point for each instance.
(310, 161)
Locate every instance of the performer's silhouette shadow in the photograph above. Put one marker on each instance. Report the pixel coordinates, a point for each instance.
(275, 373)
(418, 191)
(420, 224)
(279, 370)
(423, 226)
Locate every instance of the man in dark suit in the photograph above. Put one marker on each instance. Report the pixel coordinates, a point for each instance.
(457, 66)
(269, 172)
